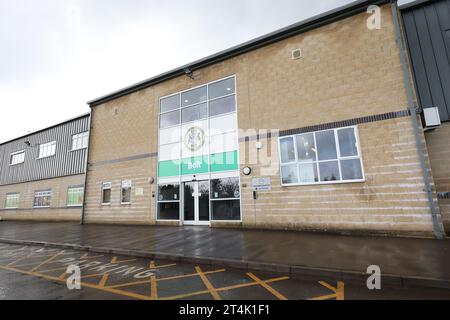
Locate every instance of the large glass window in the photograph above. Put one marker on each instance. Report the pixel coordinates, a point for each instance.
(321, 157)
(42, 199)
(194, 113)
(222, 106)
(170, 103)
(221, 88)
(194, 96)
(17, 158)
(170, 119)
(12, 201)
(80, 141)
(225, 195)
(47, 149)
(169, 201)
(75, 196)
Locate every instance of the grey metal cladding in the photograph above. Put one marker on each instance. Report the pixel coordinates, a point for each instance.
(65, 162)
(427, 28)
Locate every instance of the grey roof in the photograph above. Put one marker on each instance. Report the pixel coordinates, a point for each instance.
(47, 128)
(289, 31)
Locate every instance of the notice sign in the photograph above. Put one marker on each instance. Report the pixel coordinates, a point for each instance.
(262, 184)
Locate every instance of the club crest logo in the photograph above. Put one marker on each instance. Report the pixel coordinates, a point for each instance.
(194, 138)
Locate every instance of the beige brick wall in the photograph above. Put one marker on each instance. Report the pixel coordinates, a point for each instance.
(347, 72)
(142, 207)
(439, 151)
(58, 210)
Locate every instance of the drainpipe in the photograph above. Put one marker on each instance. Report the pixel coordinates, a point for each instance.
(412, 110)
(86, 166)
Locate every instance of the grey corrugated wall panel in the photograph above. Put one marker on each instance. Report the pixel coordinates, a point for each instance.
(64, 163)
(427, 30)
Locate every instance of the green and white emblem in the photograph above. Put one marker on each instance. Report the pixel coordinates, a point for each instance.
(194, 139)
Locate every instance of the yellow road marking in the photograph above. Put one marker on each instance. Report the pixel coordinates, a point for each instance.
(338, 291)
(208, 284)
(164, 279)
(237, 286)
(88, 285)
(19, 259)
(153, 283)
(47, 261)
(267, 287)
(114, 260)
(86, 256)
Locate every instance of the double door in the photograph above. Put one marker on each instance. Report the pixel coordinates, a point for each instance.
(196, 202)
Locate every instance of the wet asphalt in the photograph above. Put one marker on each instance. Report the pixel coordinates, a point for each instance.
(38, 273)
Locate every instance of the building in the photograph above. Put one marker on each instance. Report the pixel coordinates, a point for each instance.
(42, 174)
(312, 127)
(427, 27)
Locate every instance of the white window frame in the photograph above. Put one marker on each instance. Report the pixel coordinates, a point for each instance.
(106, 186)
(122, 189)
(317, 162)
(41, 194)
(72, 188)
(17, 194)
(46, 146)
(76, 138)
(11, 157)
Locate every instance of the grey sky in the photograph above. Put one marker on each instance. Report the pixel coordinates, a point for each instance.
(55, 55)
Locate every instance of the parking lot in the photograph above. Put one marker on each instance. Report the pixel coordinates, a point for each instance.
(28, 272)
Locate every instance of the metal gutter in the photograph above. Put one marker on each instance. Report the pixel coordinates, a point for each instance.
(420, 149)
(328, 17)
(86, 167)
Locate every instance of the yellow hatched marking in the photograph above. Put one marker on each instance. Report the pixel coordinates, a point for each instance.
(338, 291)
(278, 295)
(208, 284)
(237, 286)
(165, 279)
(84, 284)
(47, 261)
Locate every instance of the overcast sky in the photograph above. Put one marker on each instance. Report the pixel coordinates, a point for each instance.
(55, 55)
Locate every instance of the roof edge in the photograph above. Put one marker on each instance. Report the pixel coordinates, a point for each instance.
(314, 22)
(415, 4)
(84, 115)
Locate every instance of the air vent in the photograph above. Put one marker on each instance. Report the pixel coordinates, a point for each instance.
(297, 54)
(431, 116)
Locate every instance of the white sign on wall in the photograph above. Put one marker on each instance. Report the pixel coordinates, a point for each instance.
(262, 184)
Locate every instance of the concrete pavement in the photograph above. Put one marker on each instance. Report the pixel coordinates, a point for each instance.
(403, 261)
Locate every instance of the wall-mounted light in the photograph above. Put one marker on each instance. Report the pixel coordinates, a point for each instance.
(151, 180)
(247, 171)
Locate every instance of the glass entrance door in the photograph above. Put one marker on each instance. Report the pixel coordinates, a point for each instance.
(196, 203)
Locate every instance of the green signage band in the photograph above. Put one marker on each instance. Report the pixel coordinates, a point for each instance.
(224, 161)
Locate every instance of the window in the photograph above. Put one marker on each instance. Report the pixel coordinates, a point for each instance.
(106, 193)
(42, 199)
(321, 157)
(169, 201)
(225, 199)
(12, 201)
(47, 150)
(126, 192)
(170, 119)
(75, 196)
(194, 96)
(80, 141)
(17, 158)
